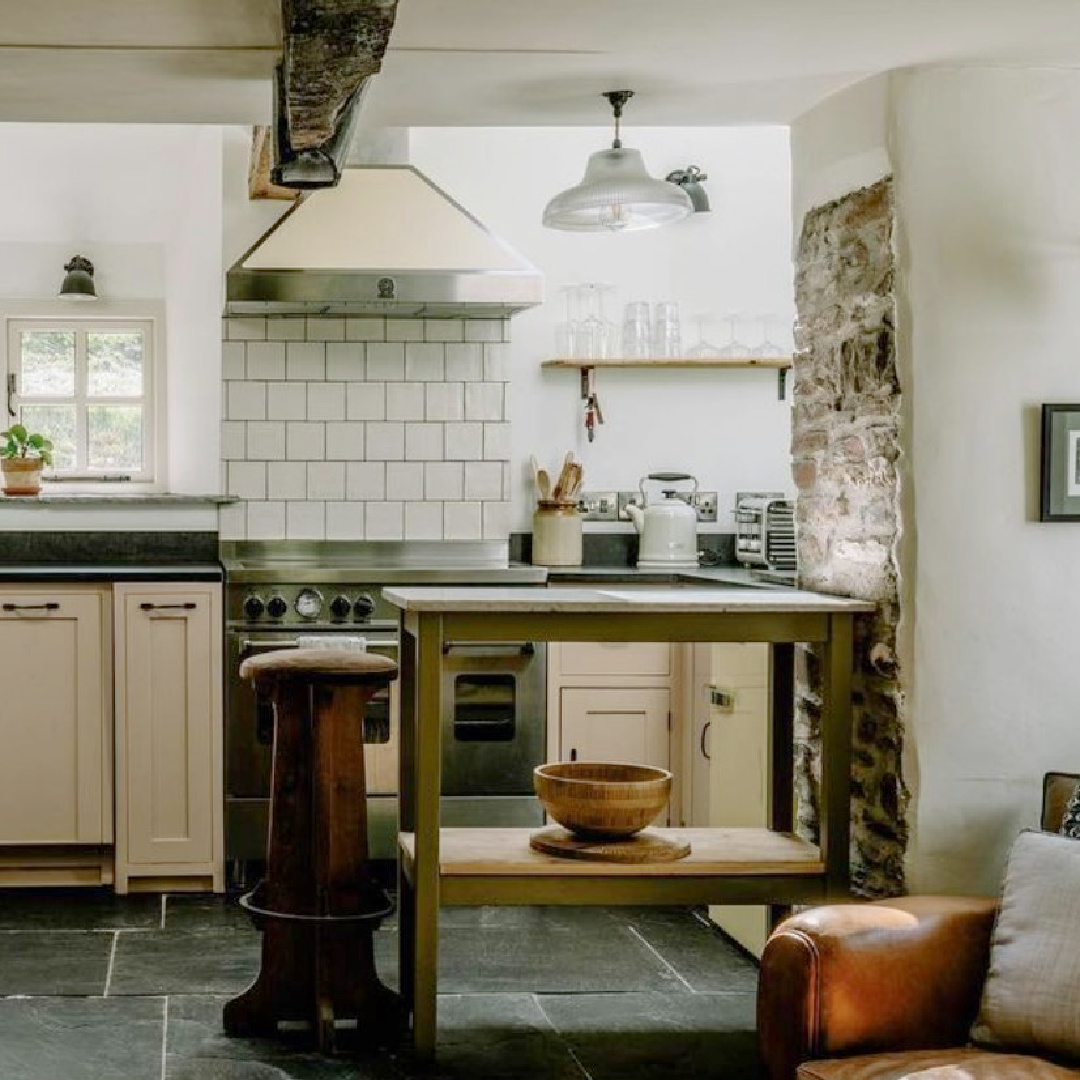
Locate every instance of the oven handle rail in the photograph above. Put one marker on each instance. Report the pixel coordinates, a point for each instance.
(525, 648)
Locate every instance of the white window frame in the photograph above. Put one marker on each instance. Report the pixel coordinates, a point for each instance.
(105, 318)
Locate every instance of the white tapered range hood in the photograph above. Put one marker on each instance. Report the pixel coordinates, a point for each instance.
(384, 241)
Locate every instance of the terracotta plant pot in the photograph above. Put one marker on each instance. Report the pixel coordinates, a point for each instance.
(22, 476)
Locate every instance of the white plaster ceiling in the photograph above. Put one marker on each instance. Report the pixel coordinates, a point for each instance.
(509, 62)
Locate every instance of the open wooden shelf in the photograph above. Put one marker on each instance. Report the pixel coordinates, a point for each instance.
(497, 866)
(673, 361)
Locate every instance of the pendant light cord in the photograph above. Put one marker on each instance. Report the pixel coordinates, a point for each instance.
(618, 98)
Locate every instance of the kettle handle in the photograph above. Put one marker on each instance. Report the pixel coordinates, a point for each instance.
(669, 478)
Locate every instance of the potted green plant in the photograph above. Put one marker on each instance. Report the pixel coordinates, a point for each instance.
(22, 458)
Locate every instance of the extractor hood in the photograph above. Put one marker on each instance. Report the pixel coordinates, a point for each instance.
(384, 241)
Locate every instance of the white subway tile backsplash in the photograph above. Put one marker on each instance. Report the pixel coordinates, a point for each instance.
(345, 441)
(465, 363)
(286, 401)
(496, 442)
(423, 521)
(404, 401)
(384, 521)
(365, 401)
(484, 401)
(404, 480)
(287, 480)
(285, 328)
(496, 521)
(464, 442)
(325, 328)
(232, 521)
(266, 360)
(233, 354)
(424, 442)
(445, 401)
(247, 479)
(365, 328)
(365, 481)
(246, 400)
(305, 441)
(496, 362)
(326, 401)
(305, 360)
(386, 361)
(246, 329)
(344, 521)
(443, 480)
(444, 330)
(326, 479)
(424, 362)
(462, 521)
(485, 330)
(305, 521)
(483, 480)
(345, 361)
(266, 440)
(233, 440)
(266, 521)
(404, 329)
(385, 441)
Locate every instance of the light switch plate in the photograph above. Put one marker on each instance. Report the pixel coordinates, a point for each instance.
(629, 498)
(599, 505)
(706, 504)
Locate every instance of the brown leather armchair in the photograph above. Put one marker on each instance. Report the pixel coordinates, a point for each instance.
(887, 990)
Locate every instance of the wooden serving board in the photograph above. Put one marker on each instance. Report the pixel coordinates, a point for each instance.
(643, 847)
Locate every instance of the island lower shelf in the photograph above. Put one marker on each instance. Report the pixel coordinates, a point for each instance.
(749, 866)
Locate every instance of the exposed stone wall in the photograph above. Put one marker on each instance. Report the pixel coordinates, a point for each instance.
(845, 446)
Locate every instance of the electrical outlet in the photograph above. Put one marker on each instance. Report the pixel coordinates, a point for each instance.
(705, 503)
(629, 498)
(599, 505)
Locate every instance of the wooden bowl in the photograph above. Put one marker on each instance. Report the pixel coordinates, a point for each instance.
(602, 800)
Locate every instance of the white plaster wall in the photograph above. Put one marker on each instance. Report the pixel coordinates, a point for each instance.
(987, 170)
(728, 428)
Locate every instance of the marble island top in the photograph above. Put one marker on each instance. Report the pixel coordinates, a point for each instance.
(641, 599)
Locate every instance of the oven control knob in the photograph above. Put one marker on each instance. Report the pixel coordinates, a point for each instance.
(309, 603)
(253, 606)
(340, 607)
(363, 606)
(276, 607)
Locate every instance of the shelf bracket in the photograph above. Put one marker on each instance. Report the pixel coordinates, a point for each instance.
(586, 382)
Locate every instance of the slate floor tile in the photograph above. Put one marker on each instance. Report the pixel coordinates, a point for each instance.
(221, 960)
(40, 962)
(81, 1038)
(658, 1036)
(200, 912)
(77, 909)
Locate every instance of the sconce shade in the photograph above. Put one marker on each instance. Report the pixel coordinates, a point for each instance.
(617, 194)
(78, 280)
(689, 179)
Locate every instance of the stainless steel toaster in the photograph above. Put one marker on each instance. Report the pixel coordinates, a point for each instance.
(765, 532)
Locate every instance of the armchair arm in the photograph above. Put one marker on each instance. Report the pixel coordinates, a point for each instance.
(893, 974)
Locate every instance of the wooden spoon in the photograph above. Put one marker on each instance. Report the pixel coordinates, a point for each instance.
(543, 482)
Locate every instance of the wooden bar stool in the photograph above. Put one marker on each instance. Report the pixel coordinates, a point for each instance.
(319, 904)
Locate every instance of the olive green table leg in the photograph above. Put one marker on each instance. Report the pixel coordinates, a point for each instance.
(406, 813)
(836, 723)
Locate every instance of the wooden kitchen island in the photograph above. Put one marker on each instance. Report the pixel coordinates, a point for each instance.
(496, 866)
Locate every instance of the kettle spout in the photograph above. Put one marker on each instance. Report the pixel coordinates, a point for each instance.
(637, 516)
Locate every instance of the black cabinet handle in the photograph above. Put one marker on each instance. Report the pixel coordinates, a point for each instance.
(704, 735)
(52, 605)
(190, 605)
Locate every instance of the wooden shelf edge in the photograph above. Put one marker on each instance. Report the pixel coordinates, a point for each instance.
(772, 362)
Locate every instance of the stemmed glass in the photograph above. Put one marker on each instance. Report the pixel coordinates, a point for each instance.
(769, 347)
(734, 349)
(703, 349)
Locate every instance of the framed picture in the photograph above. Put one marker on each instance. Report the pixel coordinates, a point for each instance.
(1060, 492)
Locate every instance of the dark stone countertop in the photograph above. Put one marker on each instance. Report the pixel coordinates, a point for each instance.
(49, 573)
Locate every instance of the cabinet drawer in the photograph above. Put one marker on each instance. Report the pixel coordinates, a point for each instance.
(649, 658)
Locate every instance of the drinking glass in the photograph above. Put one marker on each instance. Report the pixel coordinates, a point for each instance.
(637, 330)
(596, 331)
(734, 349)
(703, 349)
(667, 330)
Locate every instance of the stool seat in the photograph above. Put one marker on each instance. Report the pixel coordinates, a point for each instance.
(332, 665)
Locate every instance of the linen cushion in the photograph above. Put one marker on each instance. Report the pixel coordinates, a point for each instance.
(1070, 823)
(1031, 999)
(958, 1064)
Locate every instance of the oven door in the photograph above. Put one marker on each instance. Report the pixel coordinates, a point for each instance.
(249, 734)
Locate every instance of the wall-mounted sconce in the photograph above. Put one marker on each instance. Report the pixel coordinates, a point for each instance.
(78, 280)
(689, 179)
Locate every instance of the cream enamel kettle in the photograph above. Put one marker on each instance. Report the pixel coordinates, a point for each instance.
(668, 526)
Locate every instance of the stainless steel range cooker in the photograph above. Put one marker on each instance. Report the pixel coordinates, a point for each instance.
(494, 700)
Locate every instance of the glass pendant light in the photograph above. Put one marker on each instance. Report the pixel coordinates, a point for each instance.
(617, 194)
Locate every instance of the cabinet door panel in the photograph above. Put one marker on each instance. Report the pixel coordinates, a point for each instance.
(616, 725)
(615, 658)
(168, 715)
(52, 725)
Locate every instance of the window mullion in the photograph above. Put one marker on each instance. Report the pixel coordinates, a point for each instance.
(82, 420)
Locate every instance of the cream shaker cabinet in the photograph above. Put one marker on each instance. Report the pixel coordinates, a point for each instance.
(168, 679)
(56, 720)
